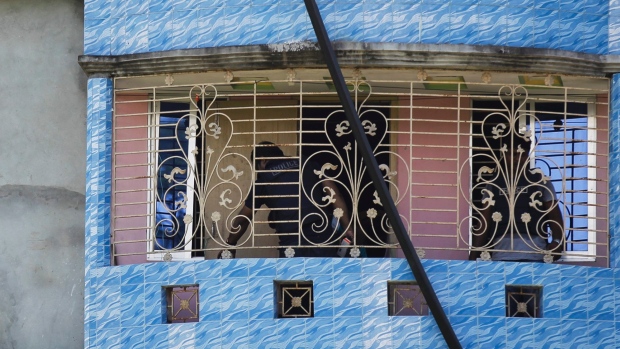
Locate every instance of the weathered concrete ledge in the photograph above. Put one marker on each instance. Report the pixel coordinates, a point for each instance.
(354, 55)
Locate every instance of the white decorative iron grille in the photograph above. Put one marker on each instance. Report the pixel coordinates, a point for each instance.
(183, 170)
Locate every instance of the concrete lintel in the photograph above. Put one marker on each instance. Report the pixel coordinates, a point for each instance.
(354, 55)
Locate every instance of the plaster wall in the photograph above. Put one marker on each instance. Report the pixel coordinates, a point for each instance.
(42, 142)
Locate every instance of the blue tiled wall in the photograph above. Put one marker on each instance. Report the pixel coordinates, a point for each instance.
(123, 305)
(98, 189)
(114, 27)
(580, 305)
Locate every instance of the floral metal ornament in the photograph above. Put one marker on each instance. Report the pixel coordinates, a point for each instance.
(345, 168)
(509, 205)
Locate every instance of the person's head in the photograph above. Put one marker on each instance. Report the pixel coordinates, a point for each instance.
(263, 151)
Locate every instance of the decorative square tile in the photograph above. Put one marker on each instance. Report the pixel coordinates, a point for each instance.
(524, 301)
(405, 298)
(182, 303)
(294, 299)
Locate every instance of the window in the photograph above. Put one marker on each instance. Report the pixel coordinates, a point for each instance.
(563, 148)
(182, 166)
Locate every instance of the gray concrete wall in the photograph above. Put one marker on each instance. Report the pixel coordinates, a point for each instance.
(42, 152)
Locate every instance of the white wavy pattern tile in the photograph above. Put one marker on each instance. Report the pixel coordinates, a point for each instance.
(208, 335)
(569, 31)
(290, 269)
(464, 25)
(377, 332)
(263, 334)
(156, 336)
(614, 36)
(294, 23)
(374, 295)
(97, 36)
(235, 268)
(181, 336)
(108, 300)
(153, 304)
(236, 302)
(464, 295)
(181, 273)
(97, 9)
(292, 333)
(160, 31)
(348, 21)
(235, 335)
(347, 295)
(265, 24)
(319, 333)
(348, 333)
(519, 333)
(491, 25)
(323, 286)
(133, 7)
(519, 27)
(573, 334)
(600, 299)
(237, 24)
(261, 298)
(378, 22)
(601, 334)
(491, 296)
(435, 20)
(132, 306)
(466, 330)
(406, 26)
(184, 29)
(132, 338)
(492, 332)
(137, 33)
(574, 299)
(211, 296)
(262, 267)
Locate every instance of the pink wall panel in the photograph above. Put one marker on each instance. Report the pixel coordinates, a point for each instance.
(130, 172)
(435, 157)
